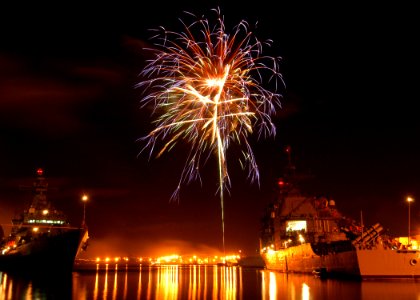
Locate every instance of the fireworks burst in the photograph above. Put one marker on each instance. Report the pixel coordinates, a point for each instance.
(205, 86)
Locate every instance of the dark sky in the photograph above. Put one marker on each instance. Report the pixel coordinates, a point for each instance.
(68, 104)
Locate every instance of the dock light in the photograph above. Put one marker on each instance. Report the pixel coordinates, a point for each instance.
(85, 198)
(409, 200)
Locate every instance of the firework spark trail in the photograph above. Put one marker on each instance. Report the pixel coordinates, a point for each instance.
(205, 87)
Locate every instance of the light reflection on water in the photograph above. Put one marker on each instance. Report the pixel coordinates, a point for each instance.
(198, 282)
(164, 282)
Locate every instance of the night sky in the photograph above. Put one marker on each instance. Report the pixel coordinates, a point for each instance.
(68, 104)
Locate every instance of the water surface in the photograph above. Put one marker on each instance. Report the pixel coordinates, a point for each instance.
(197, 282)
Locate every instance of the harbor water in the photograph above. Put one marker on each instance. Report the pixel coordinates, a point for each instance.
(197, 282)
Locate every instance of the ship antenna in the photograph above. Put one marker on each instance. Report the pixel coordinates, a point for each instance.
(361, 220)
(290, 165)
(288, 151)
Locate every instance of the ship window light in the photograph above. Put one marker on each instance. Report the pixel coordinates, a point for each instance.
(296, 226)
(301, 239)
(44, 221)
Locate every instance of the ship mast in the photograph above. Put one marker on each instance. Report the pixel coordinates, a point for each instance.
(288, 180)
(40, 188)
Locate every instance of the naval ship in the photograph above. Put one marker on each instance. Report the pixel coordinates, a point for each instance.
(41, 239)
(303, 233)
